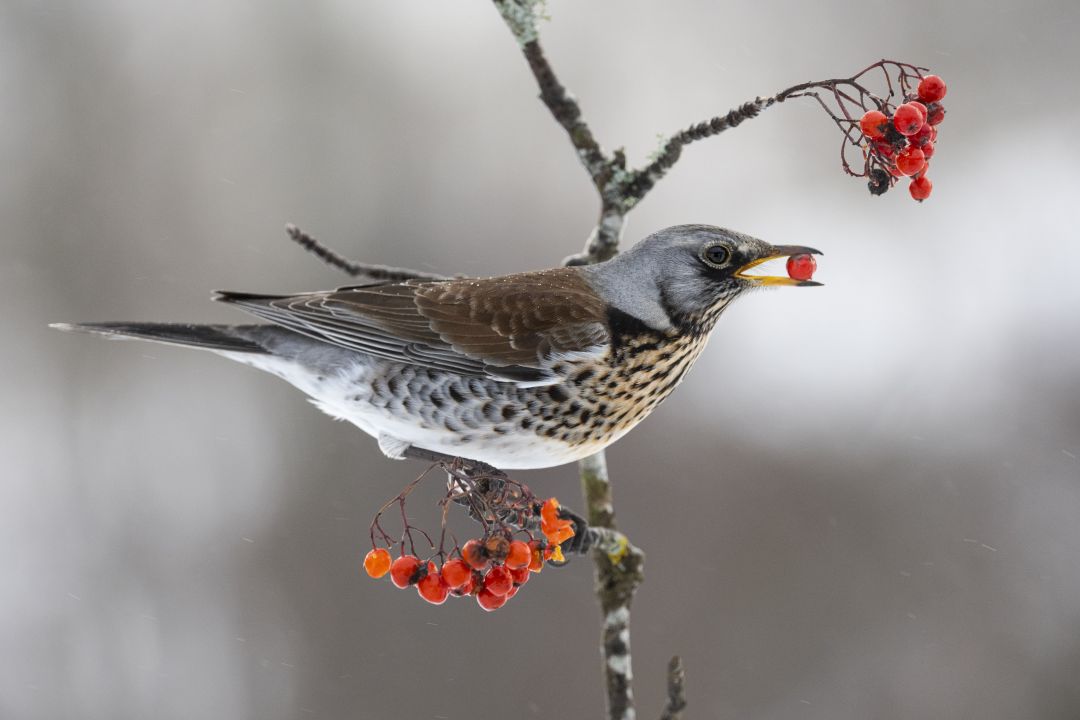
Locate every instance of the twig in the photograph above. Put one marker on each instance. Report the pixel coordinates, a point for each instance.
(676, 690)
(521, 17)
(355, 269)
(641, 181)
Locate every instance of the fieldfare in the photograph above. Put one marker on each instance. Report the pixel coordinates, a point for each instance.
(521, 371)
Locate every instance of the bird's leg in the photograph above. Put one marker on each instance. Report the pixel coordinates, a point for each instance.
(471, 467)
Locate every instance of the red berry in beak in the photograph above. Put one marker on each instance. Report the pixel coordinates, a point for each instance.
(801, 267)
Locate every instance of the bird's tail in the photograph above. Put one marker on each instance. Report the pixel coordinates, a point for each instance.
(210, 337)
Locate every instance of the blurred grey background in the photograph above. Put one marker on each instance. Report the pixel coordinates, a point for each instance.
(863, 503)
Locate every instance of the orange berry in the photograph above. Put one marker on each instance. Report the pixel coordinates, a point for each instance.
(470, 585)
(377, 562)
(498, 580)
(455, 573)
(549, 511)
(432, 588)
(518, 555)
(405, 571)
(536, 562)
(475, 554)
(557, 534)
(489, 600)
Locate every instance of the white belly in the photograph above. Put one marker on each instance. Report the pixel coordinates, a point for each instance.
(347, 394)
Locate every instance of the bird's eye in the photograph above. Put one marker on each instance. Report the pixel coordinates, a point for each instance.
(716, 255)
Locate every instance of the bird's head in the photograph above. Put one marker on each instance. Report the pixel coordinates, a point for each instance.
(687, 274)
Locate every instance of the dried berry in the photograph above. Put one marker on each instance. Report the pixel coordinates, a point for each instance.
(475, 554)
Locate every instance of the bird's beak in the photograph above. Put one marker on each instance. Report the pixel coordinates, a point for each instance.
(778, 251)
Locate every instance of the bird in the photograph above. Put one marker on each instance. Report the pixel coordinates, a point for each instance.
(521, 371)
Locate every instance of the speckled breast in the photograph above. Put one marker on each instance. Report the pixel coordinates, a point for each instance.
(601, 401)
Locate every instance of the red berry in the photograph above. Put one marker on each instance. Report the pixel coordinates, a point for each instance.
(935, 114)
(475, 554)
(873, 124)
(518, 555)
(498, 580)
(520, 575)
(433, 589)
(405, 571)
(920, 188)
(377, 562)
(931, 88)
(885, 149)
(924, 135)
(921, 108)
(907, 119)
(489, 600)
(801, 267)
(512, 593)
(455, 573)
(928, 150)
(910, 161)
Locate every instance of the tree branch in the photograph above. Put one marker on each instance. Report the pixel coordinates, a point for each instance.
(355, 269)
(521, 17)
(676, 690)
(641, 181)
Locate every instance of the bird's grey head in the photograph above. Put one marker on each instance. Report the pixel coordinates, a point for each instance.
(687, 274)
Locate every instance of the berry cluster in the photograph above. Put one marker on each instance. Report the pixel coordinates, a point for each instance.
(901, 144)
(491, 568)
(892, 131)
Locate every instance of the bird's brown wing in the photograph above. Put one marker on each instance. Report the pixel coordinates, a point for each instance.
(511, 327)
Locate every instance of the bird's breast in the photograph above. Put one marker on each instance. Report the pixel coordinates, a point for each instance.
(602, 400)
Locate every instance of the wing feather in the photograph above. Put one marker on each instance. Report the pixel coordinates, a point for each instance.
(511, 328)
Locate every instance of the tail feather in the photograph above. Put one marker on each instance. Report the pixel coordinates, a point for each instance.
(210, 337)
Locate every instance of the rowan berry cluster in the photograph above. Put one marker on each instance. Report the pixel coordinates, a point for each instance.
(893, 132)
(521, 534)
(901, 144)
